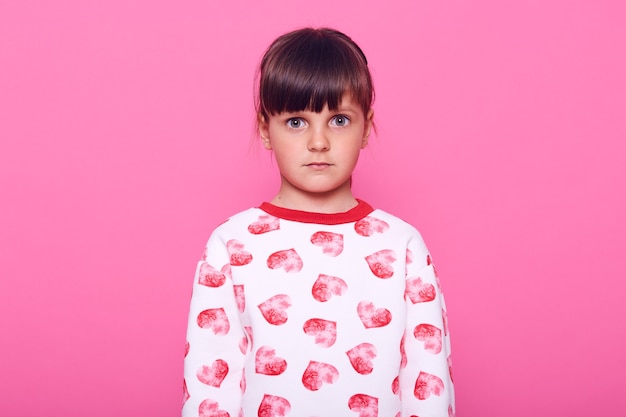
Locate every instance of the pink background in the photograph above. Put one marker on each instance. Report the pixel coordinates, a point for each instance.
(126, 135)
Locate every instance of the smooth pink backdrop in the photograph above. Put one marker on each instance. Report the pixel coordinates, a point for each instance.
(126, 135)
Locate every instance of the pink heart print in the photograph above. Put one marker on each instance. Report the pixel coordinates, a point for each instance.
(213, 375)
(214, 319)
(365, 405)
(238, 256)
(265, 223)
(240, 297)
(287, 259)
(403, 357)
(331, 243)
(361, 358)
(395, 385)
(368, 225)
(274, 309)
(317, 374)
(372, 316)
(267, 363)
(409, 256)
(430, 335)
(185, 391)
(243, 345)
(242, 382)
(274, 406)
(380, 263)
(429, 261)
(248, 330)
(324, 331)
(408, 261)
(210, 408)
(418, 291)
(210, 276)
(326, 286)
(427, 384)
(226, 270)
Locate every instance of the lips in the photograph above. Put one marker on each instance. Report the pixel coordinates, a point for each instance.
(318, 165)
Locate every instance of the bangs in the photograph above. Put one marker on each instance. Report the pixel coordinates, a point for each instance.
(313, 71)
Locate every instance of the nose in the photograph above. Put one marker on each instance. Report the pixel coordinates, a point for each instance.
(318, 142)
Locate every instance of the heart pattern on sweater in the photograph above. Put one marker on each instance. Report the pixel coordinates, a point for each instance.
(371, 316)
(331, 243)
(238, 255)
(213, 375)
(214, 319)
(361, 358)
(210, 408)
(267, 363)
(324, 331)
(380, 263)
(287, 259)
(274, 406)
(369, 225)
(274, 309)
(325, 286)
(317, 374)
(365, 405)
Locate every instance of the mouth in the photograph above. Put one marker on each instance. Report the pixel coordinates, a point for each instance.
(318, 165)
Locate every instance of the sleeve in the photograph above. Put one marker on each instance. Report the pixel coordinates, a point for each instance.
(426, 387)
(213, 366)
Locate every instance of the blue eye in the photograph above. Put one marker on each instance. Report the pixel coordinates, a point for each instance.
(340, 120)
(295, 123)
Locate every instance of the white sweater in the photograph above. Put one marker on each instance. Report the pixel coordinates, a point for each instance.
(306, 314)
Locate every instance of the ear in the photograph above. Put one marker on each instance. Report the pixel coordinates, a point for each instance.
(369, 121)
(264, 131)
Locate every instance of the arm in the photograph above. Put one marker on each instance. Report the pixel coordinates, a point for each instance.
(213, 359)
(425, 375)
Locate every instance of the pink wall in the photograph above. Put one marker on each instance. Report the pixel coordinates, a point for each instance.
(125, 132)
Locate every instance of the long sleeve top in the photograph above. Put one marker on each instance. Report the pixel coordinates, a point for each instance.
(317, 315)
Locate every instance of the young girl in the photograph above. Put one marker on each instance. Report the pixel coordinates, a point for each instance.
(315, 303)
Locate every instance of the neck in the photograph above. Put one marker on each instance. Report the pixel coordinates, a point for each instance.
(338, 200)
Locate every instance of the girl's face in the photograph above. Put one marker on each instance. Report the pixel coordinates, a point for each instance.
(317, 152)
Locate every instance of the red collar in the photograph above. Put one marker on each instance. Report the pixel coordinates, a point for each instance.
(356, 213)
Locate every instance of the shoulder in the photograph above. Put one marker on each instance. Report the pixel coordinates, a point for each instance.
(399, 229)
(396, 224)
(238, 222)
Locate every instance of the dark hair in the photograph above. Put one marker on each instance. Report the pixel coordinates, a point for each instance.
(309, 68)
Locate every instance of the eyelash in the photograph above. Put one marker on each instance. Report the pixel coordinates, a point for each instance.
(344, 117)
(294, 119)
(300, 121)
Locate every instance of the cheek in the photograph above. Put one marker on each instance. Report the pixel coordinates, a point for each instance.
(284, 155)
(354, 147)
